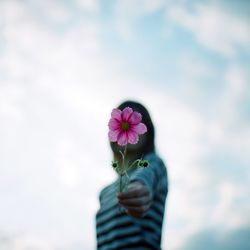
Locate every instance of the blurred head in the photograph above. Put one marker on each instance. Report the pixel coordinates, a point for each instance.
(146, 142)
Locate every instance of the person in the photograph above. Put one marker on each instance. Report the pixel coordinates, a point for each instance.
(139, 224)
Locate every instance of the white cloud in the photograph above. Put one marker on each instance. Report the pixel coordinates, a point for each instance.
(52, 12)
(49, 177)
(213, 27)
(228, 212)
(10, 98)
(195, 69)
(228, 128)
(22, 242)
(88, 5)
(128, 11)
(138, 7)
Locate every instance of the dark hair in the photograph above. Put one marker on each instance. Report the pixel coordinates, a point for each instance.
(149, 145)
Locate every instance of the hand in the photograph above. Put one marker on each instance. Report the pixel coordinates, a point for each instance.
(136, 200)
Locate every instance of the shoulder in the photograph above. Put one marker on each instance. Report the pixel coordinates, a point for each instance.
(155, 160)
(153, 156)
(158, 166)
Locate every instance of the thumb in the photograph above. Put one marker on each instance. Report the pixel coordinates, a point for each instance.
(134, 185)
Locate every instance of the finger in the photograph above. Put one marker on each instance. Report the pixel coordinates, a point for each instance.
(135, 209)
(135, 214)
(135, 201)
(134, 185)
(138, 192)
(142, 209)
(136, 206)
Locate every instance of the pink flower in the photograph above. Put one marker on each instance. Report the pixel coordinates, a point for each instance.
(125, 126)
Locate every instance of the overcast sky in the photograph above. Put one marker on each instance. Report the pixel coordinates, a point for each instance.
(65, 64)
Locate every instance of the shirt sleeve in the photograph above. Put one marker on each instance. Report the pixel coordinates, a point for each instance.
(152, 175)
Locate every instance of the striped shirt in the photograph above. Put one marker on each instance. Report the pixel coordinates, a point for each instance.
(117, 230)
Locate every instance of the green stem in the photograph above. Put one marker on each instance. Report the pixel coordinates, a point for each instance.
(132, 165)
(120, 183)
(123, 159)
(123, 166)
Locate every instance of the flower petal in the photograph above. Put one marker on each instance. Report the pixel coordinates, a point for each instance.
(113, 134)
(114, 124)
(135, 118)
(126, 113)
(140, 128)
(116, 114)
(133, 137)
(122, 139)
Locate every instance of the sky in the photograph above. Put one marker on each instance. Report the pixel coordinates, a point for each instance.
(65, 64)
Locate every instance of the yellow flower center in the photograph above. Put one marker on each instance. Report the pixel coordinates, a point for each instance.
(124, 126)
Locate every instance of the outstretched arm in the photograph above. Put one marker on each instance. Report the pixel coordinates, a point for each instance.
(143, 185)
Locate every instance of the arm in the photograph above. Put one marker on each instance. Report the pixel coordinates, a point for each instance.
(143, 182)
